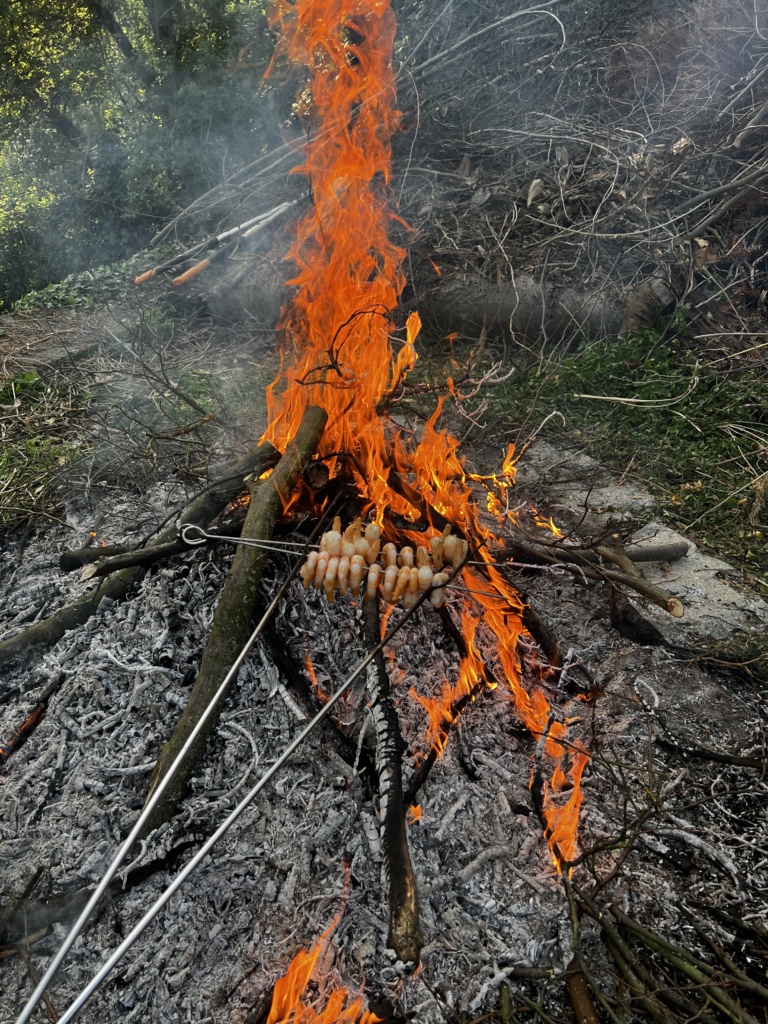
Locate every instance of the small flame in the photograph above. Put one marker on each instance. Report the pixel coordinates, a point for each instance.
(440, 710)
(309, 668)
(562, 820)
(289, 1000)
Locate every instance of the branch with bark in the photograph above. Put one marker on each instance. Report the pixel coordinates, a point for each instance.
(231, 623)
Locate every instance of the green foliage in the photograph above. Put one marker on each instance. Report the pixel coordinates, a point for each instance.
(113, 115)
(696, 435)
(86, 290)
(37, 440)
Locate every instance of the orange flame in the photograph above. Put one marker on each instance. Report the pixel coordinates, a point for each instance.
(309, 668)
(338, 331)
(288, 998)
(502, 615)
(338, 328)
(440, 710)
(289, 1007)
(562, 821)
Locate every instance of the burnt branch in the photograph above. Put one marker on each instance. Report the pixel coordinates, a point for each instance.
(405, 936)
(115, 587)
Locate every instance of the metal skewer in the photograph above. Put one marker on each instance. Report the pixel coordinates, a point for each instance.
(74, 1008)
(154, 799)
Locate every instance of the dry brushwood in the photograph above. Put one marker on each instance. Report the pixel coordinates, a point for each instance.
(231, 624)
(581, 562)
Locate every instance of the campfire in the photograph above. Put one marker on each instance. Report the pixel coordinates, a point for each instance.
(400, 578)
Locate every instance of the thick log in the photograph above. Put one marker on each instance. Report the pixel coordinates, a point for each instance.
(528, 307)
(405, 936)
(200, 512)
(231, 623)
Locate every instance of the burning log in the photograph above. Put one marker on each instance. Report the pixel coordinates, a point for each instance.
(200, 512)
(233, 614)
(404, 936)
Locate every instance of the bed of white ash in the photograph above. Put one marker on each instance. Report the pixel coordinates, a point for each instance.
(491, 900)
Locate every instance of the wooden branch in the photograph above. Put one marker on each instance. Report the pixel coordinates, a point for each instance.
(360, 761)
(580, 563)
(76, 558)
(580, 996)
(116, 587)
(231, 623)
(405, 936)
(149, 555)
(700, 972)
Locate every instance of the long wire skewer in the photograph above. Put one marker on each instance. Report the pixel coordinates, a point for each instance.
(196, 536)
(74, 1008)
(152, 802)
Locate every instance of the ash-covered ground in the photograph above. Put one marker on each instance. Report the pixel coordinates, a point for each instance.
(678, 830)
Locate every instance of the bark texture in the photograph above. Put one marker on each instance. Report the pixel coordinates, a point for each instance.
(404, 936)
(232, 620)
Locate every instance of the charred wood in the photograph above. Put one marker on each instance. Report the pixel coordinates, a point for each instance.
(231, 623)
(21, 735)
(629, 623)
(405, 936)
(345, 747)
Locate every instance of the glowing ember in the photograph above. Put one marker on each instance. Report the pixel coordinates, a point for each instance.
(338, 352)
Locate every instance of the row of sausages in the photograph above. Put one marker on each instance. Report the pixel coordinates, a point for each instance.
(356, 561)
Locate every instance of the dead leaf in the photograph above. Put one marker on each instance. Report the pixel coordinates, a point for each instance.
(534, 189)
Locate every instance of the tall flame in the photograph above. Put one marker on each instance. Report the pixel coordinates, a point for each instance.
(349, 276)
(338, 349)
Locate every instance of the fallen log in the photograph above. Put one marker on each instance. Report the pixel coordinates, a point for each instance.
(231, 623)
(151, 554)
(200, 512)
